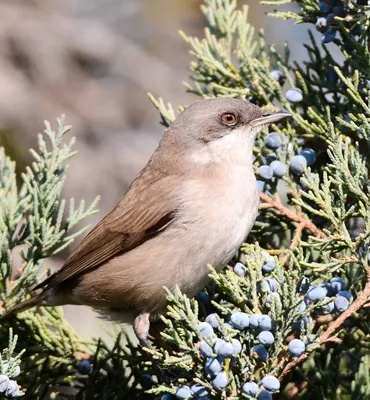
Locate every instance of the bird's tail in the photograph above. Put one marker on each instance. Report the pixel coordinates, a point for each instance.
(24, 305)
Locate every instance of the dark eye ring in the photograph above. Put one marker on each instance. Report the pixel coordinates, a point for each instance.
(229, 119)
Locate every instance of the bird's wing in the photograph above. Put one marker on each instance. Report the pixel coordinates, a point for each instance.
(147, 209)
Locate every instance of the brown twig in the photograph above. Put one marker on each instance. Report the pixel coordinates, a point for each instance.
(295, 241)
(278, 206)
(327, 335)
(294, 390)
(360, 301)
(297, 236)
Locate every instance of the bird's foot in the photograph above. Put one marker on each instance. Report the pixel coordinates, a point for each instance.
(141, 328)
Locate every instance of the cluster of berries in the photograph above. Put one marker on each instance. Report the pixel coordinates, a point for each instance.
(330, 9)
(216, 351)
(8, 386)
(332, 296)
(275, 169)
(219, 350)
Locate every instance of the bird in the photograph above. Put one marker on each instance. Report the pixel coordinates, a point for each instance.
(191, 206)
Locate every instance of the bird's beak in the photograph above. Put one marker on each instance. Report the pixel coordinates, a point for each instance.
(270, 118)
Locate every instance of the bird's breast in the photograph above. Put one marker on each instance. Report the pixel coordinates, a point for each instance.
(217, 216)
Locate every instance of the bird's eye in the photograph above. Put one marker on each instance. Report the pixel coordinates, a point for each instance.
(229, 119)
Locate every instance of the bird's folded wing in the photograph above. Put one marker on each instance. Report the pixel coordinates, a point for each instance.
(142, 213)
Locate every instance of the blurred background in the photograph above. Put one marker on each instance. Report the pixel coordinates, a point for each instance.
(95, 61)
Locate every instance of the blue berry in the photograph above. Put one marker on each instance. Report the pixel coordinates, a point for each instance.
(296, 347)
(167, 396)
(217, 343)
(278, 168)
(16, 372)
(341, 303)
(324, 8)
(213, 321)
(237, 346)
(198, 391)
(269, 264)
(204, 298)
(273, 297)
(239, 320)
(266, 338)
(302, 307)
(316, 293)
(298, 164)
(331, 19)
(205, 349)
(205, 329)
(270, 383)
(261, 352)
(271, 157)
(327, 308)
(346, 294)
(240, 269)
(147, 381)
(273, 141)
(261, 186)
(294, 95)
(354, 234)
(304, 286)
(265, 323)
(212, 366)
(339, 11)
(299, 140)
(224, 349)
(184, 393)
(302, 321)
(309, 155)
(328, 36)
(337, 284)
(4, 382)
(264, 395)
(265, 172)
(332, 76)
(253, 321)
(345, 128)
(220, 381)
(84, 367)
(12, 391)
(277, 75)
(270, 284)
(321, 24)
(250, 388)
(327, 287)
(228, 326)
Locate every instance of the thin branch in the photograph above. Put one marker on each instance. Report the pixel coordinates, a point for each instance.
(360, 301)
(278, 206)
(327, 335)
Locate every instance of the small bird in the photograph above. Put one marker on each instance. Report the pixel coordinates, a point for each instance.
(193, 204)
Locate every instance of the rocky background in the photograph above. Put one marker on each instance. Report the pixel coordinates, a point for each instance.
(95, 61)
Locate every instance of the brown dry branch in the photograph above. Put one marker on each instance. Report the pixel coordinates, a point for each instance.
(295, 390)
(279, 207)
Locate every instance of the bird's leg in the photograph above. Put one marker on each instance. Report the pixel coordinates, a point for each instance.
(141, 329)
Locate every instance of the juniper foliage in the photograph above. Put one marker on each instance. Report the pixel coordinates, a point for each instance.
(297, 311)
